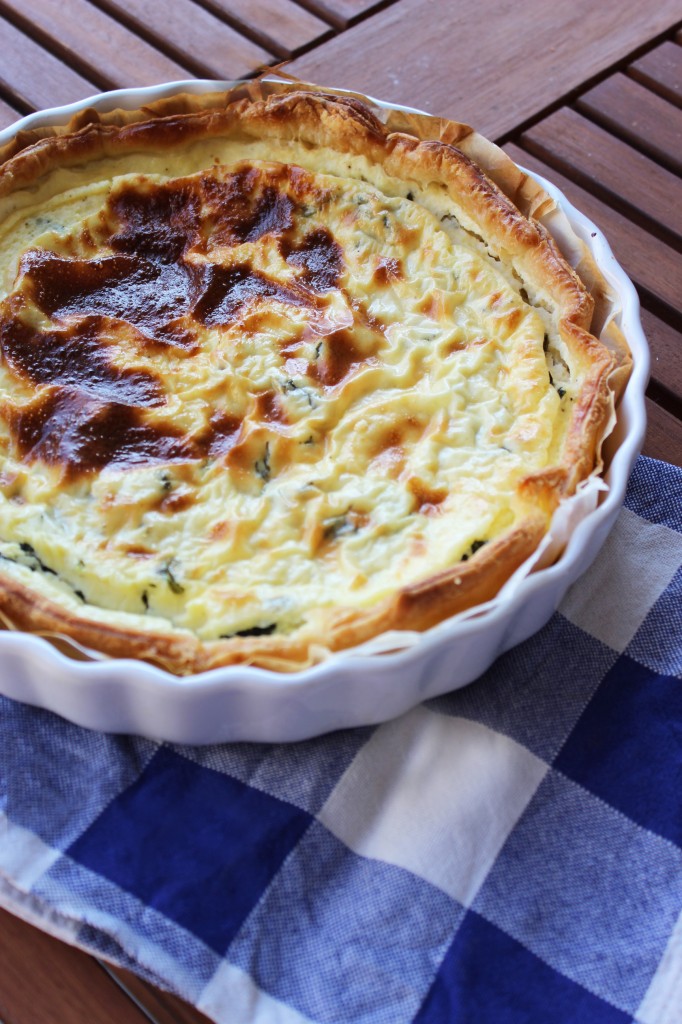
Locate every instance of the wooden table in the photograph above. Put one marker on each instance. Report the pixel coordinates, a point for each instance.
(589, 95)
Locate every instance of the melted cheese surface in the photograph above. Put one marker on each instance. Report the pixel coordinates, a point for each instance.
(235, 396)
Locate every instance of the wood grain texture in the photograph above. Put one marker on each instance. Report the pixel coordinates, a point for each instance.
(195, 37)
(281, 26)
(342, 12)
(55, 84)
(653, 266)
(162, 1007)
(640, 116)
(46, 981)
(492, 65)
(7, 114)
(664, 435)
(666, 353)
(87, 38)
(661, 69)
(611, 168)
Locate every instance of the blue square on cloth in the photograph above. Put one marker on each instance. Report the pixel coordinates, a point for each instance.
(302, 773)
(627, 747)
(490, 978)
(654, 493)
(535, 692)
(57, 805)
(341, 937)
(658, 641)
(193, 844)
(587, 890)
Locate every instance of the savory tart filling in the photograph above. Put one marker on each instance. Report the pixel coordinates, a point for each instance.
(262, 394)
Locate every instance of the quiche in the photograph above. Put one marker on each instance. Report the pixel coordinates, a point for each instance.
(276, 378)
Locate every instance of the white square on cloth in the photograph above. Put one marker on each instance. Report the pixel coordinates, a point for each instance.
(662, 1003)
(232, 995)
(435, 795)
(24, 857)
(635, 565)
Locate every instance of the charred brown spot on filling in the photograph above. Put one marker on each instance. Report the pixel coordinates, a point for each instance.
(513, 318)
(269, 408)
(458, 344)
(76, 357)
(139, 551)
(427, 499)
(220, 530)
(219, 437)
(228, 290)
(432, 306)
(82, 434)
(145, 281)
(178, 501)
(390, 461)
(387, 271)
(243, 209)
(339, 356)
(318, 257)
(149, 295)
(364, 318)
(401, 434)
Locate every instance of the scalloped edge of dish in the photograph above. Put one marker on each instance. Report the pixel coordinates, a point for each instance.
(348, 689)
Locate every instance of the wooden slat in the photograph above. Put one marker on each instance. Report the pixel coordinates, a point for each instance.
(666, 352)
(661, 69)
(103, 49)
(281, 26)
(44, 980)
(56, 83)
(653, 266)
(664, 435)
(612, 168)
(639, 115)
(494, 65)
(342, 12)
(7, 114)
(196, 37)
(163, 1007)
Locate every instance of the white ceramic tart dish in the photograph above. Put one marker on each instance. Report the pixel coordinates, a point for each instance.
(310, 407)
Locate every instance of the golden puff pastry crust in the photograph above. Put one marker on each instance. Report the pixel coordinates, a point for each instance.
(276, 378)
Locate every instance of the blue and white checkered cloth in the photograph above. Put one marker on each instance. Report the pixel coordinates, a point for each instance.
(507, 854)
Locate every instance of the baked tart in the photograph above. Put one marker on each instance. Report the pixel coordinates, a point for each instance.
(277, 377)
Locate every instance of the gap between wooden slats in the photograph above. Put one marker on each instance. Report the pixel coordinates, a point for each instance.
(161, 1007)
(639, 116)
(282, 26)
(32, 77)
(661, 70)
(343, 13)
(625, 178)
(8, 115)
(192, 35)
(93, 43)
(652, 265)
(666, 362)
(45, 980)
(664, 435)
